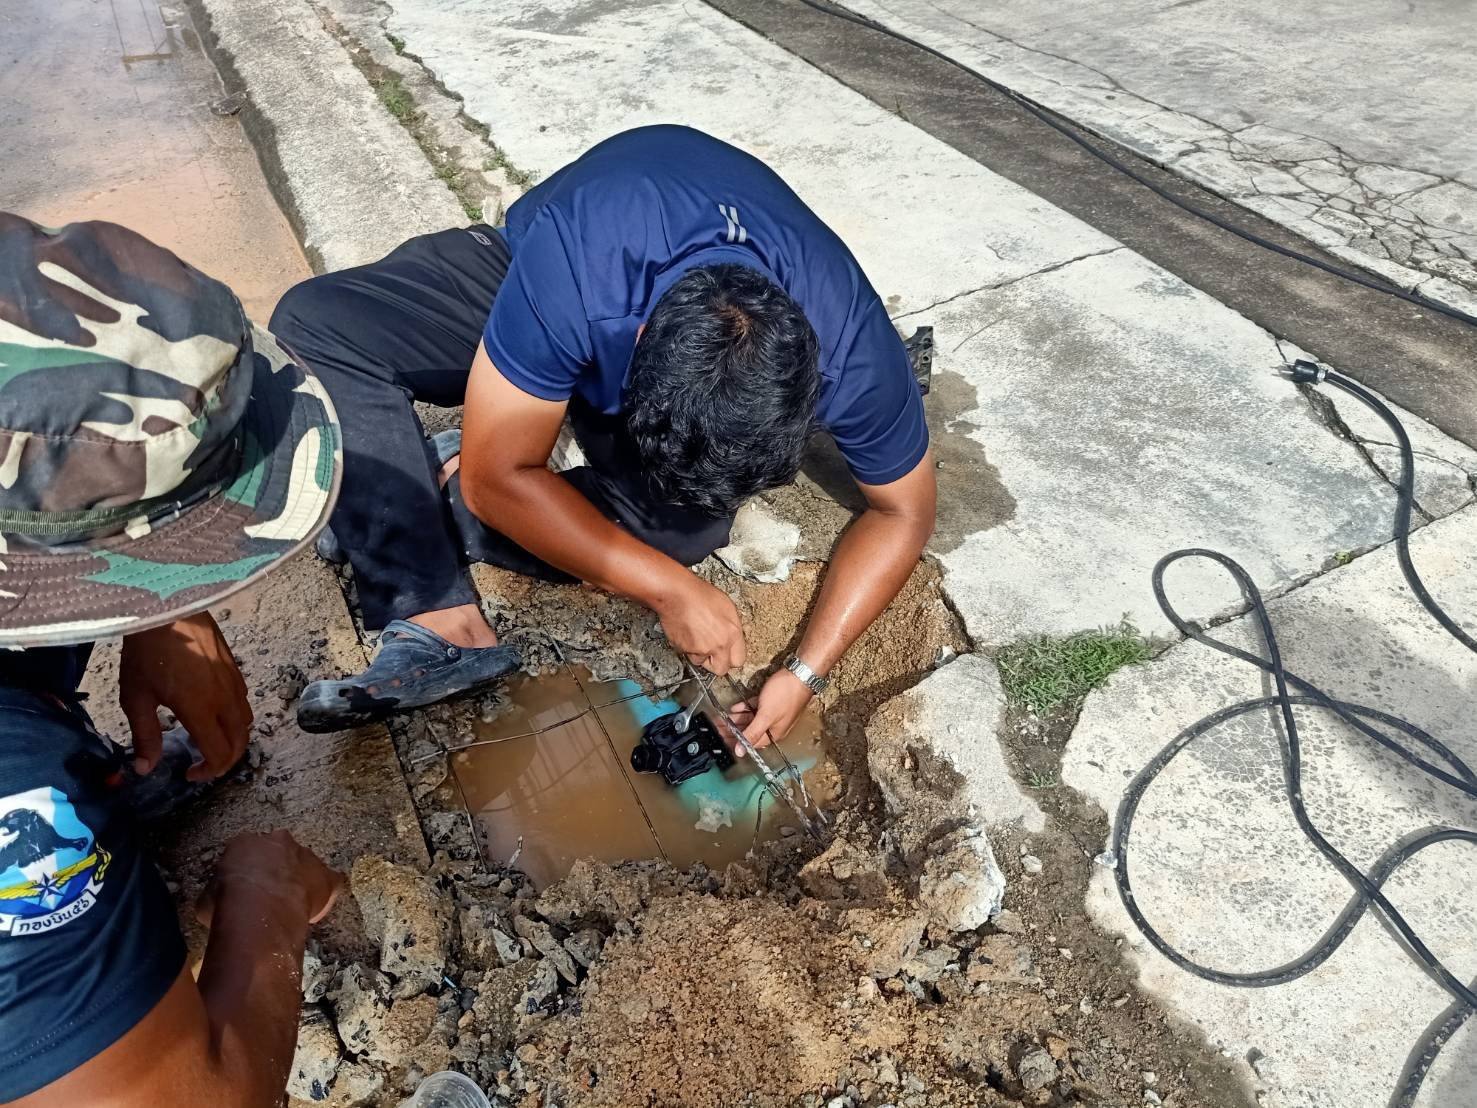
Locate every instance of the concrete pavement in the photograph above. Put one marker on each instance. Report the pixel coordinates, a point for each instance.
(1344, 122)
(1080, 375)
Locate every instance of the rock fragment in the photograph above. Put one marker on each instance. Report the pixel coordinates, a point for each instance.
(317, 976)
(544, 942)
(585, 946)
(761, 545)
(358, 1085)
(594, 892)
(1036, 1069)
(402, 1037)
(962, 887)
(484, 942)
(844, 872)
(406, 915)
(361, 1000)
(540, 994)
(883, 941)
(934, 753)
(315, 1062)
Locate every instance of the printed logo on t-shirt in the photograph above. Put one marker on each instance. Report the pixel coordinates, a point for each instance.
(736, 230)
(51, 868)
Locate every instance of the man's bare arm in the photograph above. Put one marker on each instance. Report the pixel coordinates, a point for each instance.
(228, 1041)
(507, 437)
(868, 569)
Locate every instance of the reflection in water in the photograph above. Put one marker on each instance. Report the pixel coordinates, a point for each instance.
(570, 792)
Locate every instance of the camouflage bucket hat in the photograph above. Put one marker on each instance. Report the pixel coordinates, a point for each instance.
(157, 451)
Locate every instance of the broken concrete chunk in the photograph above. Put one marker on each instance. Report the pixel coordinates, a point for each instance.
(1001, 958)
(403, 1033)
(315, 1063)
(883, 941)
(936, 758)
(962, 887)
(539, 995)
(361, 999)
(844, 871)
(484, 942)
(358, 1085)
(543, 941)
(406, 915)
(1036, 1069)
(761, 545)
(595, 892)
(585, 946)
(498, 1007)
(928, 966)
(317, 976)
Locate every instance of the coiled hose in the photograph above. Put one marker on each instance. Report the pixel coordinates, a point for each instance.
(1413, 745)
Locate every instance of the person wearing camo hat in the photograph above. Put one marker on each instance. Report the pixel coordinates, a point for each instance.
(157, 453)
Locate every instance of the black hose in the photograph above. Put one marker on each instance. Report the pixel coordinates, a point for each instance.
(1069, 128)
(1396, 735)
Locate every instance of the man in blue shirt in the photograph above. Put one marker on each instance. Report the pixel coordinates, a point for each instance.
(695, 322)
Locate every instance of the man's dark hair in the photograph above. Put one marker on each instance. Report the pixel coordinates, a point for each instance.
(723, 389)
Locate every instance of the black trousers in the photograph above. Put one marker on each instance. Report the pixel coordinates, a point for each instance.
(406, 328)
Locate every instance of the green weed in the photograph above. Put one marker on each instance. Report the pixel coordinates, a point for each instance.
(1044, 674)
(397, 101)
(397, 42)
(519, 177)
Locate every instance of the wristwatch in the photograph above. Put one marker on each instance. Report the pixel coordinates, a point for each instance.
(808, 677)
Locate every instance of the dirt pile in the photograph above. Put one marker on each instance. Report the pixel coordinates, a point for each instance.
(822, 985)
(717, 1002)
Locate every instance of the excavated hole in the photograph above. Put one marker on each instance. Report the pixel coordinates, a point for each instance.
(796, 976)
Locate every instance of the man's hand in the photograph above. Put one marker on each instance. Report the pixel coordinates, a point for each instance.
(273, 864)
(772, 713)
(187, 667)
(702, 623)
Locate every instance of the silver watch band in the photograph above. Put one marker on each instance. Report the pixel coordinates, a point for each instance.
(809, 677)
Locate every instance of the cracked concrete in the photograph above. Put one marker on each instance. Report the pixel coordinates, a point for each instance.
(1378, 172)
(1445, 470)
(866, 173)
(1214, 840)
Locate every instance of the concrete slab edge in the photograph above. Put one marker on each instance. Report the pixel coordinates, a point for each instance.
(305, 148)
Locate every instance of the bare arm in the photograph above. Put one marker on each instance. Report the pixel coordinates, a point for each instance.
(869, 567)
(228, 1041)
(507, 437)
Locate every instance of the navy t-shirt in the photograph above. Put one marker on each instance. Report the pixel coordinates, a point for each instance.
(89, 940)
(597, 244)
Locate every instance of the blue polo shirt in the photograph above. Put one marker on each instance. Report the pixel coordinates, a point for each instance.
(597, 244)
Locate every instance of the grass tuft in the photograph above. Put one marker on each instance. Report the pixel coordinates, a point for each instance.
(396, 99)
(1044, 674)
(519, 177)
(397, 42)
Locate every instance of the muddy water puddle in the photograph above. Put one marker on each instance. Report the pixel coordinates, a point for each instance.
(555, 783)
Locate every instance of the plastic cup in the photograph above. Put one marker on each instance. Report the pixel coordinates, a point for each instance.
(449, 1089)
